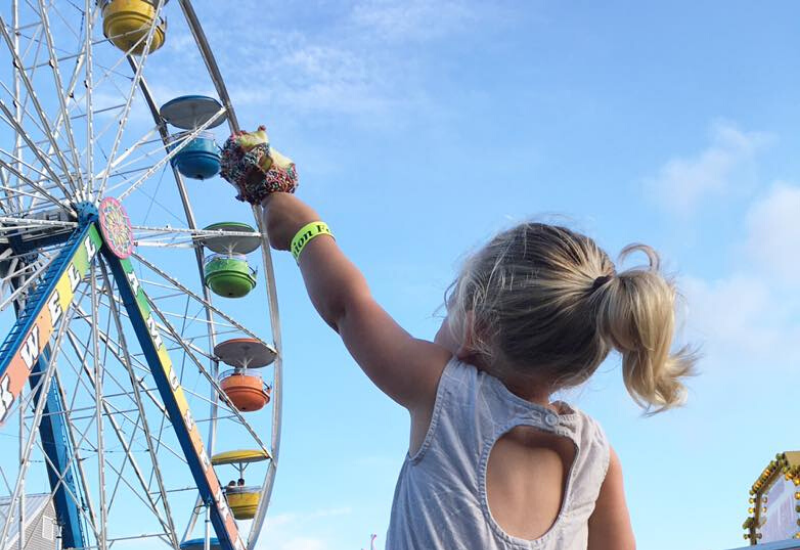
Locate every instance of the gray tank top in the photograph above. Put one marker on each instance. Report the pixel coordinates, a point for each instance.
(440, 501)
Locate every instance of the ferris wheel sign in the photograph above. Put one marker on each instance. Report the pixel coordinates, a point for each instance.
(115, 225)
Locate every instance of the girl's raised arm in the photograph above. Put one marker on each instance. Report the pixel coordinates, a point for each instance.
(403, 367)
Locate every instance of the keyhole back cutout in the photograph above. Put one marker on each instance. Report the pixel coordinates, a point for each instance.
(526, 480)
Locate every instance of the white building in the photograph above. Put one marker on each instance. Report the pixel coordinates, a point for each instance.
(41, 527)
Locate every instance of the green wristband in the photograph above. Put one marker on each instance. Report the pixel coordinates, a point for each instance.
(306, 234)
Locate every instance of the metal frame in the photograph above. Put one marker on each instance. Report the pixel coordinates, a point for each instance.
(42, 187)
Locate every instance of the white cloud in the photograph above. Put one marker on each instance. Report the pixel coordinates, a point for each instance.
(752, 316)
(412, 20)
(725, 167)
(730, 315)
(773, 226)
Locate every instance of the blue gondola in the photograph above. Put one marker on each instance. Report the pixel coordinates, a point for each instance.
(199, 159)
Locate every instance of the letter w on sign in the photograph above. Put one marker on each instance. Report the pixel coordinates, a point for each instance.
(30, 348)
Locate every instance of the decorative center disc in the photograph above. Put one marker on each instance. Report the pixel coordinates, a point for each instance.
(116, 227)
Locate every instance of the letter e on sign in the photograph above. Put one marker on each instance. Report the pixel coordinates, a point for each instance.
(74, 277)
(91, 249)
(54, 307)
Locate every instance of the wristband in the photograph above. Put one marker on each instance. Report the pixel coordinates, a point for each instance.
(306, 233)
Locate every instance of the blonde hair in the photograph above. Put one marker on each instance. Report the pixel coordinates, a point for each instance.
(546, 301)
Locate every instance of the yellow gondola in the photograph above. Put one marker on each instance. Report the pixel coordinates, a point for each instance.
(127, 22)
(243, 500)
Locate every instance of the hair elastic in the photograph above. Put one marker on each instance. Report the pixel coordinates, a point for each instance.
(306, 234)
(600, 281)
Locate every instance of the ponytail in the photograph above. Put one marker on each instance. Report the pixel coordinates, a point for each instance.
(636, 315)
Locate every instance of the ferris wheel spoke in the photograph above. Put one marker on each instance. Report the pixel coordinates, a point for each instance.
(65, 113)
(125, 414)
(190, 353)
(98, 385)
(26, 285)
(150, 392)
(54, 65)
(62, 484)
(131, 94)
(174, 151)
(181, 340)
(37, 105)
(43, 193)
(181, 237)
(126, 356)
(169, 528)
(38, 153)
(29, 168)
(59, 120)
(121, 479)
(89, 97)
(116, 165)
(198, 298)
(114, 347)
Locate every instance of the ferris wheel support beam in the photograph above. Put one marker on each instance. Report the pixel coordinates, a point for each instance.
(27, 446)
(55, 445)
(43, 311)
(172, 394)
(55, 441)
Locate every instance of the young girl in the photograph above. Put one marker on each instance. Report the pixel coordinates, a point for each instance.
(492, 463)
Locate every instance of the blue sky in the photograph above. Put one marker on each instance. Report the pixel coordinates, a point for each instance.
(421, 127)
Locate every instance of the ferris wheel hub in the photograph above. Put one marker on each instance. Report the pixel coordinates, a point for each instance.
(87, 212)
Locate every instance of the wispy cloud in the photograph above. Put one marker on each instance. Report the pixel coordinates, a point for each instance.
(358, 64)
(413, 20)
(310, 77)
(773, 225)
(753, 314)
(726, 166)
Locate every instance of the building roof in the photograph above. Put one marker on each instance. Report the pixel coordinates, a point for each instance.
(791, 544)
(34, 506)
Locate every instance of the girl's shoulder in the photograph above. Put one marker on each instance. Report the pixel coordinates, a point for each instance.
(590, 438)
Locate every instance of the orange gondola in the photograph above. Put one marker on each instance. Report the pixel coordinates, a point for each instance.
(245, 389)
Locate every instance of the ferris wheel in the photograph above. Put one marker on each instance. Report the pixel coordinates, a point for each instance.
(140, 374)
